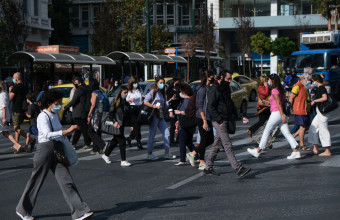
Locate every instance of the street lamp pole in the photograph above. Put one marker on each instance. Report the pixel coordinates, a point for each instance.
(193, 17)
(148, 49)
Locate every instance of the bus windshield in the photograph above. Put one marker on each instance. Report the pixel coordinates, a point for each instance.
(301, 61)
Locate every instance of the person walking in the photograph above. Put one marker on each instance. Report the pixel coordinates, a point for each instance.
(80, 111)
(121, 117)
(173, 90)
(277, 118)
(44, 159)
(221, 109)
(32, 113)
(5, 117)
(155, 99)
(319, 127)
(135, 99)
(185, 134)
(262, 105)
(18, 96)
(300, 100)
(203, 120)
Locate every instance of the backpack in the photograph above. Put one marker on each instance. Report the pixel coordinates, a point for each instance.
(104, 100)
(191, 108)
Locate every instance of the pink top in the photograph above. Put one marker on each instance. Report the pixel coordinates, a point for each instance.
(273, 105)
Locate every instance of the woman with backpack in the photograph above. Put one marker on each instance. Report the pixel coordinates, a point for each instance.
(121, 117)
(155, 99)
(99, 103)
(135, 99)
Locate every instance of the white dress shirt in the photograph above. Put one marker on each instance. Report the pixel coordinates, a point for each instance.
(137, 95)
(44, 127)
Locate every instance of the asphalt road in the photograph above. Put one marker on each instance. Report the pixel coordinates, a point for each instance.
(276, 188)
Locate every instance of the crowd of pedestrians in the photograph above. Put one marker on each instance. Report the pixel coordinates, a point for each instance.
(210, 109)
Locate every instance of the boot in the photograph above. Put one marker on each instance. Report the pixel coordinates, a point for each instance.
(139, 145)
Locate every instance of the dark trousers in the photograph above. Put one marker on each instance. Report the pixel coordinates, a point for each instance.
(207, 137)
(43, 161)
(98, 143)
(263, 117)
(185, 140)
(82, 123)
(135, 134)
(172, 129)
(117, 139)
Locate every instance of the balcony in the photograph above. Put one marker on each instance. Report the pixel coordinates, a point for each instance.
(39, 23)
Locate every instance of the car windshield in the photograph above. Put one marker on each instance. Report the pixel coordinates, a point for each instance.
(65, 90)
(301, 61)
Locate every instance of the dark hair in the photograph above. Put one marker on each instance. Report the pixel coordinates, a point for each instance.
(30, 96)
(276, 84)
(186, 89)
(118, 96)
(50, 97)
(46, 85)
(318, 78)
(132, 80)
(79, 79)
(204, 78)
(172, 85)
(223, 74)
(94, 85)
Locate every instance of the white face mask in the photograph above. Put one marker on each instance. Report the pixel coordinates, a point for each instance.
(181, 95)
(123, 96)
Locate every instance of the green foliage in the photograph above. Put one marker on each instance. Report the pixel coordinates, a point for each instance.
(260, 43)
(283, 47)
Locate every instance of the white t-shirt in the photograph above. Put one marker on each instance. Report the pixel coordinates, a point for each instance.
(137, 95)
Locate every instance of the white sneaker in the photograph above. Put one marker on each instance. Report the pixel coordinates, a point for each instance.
(253, 152)
(85, 216)
(294, 155)
(152, 157)
(125, 163)
(169, 156)
(25, 217)
(106, 158)
(191, 159)
(202, 167)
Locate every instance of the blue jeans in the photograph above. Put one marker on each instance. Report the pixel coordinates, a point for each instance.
(185, 139)
(163, 127)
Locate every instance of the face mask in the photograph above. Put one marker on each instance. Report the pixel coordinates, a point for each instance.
(308, 84)
(212, 80)
(161, 86)
(269, 83)
(50, 87)
(304, 84)
(181, 95)
(315, 85)
(56, 108)
(14, 81)
(76, 85)
(135, 85)
(116, 85)
(123, 96)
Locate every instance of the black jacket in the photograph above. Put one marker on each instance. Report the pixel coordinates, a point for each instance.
(175, 103)
(78, 103)
(220, 106)
(122, 115)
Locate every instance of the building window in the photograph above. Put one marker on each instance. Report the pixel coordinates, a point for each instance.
(84, 16)
(96, 11)
(160, 14)
(170, 14)
(74, 16)
(36, 7)
(183, 13)
(299, 7)
(236, 8)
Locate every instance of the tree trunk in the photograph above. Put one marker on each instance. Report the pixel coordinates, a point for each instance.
(249, 66)
(329, 24)
(244, 64)
(188, 67)
(261, 65)
(336, 19)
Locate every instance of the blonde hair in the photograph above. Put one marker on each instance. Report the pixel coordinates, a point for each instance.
(263, 79)
(3, 87)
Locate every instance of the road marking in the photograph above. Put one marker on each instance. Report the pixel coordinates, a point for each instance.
(188, 180)
(9, 171)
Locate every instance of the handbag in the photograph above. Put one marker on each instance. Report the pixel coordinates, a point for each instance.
(187, 122)
(231, 126)
(329, 105)
(146, 114)
(107, 125)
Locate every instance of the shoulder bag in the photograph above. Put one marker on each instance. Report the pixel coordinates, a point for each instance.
(146, 114)
(329, 105)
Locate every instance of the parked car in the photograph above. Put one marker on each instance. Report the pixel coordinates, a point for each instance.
(238, 94)
(249, 84)
(66, 117)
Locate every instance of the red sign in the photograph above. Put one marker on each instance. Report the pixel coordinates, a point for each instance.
(53, 49)
(30, 46)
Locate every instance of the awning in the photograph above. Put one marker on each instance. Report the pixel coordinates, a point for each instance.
(146, 57)
(211, 58)
(60, 58)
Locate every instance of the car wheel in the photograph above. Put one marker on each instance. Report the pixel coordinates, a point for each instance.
(67, 117)
(243, 109)
(252, 96)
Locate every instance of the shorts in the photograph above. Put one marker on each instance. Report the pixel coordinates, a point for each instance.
(33, 130)
(17, 118)
(302, 120)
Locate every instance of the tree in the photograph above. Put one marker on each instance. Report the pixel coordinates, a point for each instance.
(189, 45)
(326, 8)
(245, 29)
(261, 45)
(60, 21)
(284, 47)
(13, 28)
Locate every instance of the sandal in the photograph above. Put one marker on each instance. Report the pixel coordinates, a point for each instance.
(304, 148)
(18, 151)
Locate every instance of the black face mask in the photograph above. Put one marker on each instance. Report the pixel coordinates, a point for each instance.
(212, 80)
(76, 85)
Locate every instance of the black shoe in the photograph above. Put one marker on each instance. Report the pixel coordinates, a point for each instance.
(139, 145)
(128, 140)
(32, 145)
(210, 172)
(243, 171)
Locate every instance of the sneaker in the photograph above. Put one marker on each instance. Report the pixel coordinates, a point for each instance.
(294, 155)
(74, 146)
(94, 152)
(242, 171)
(152, 157)
(210, 172)
(180, 164)
(85, 216)
(253, 152)
(191, 159)
(25, 217)
(105, 147)
(125, 163)
(169, 156)
(202, 166)
(106, 159)
(86, 147)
